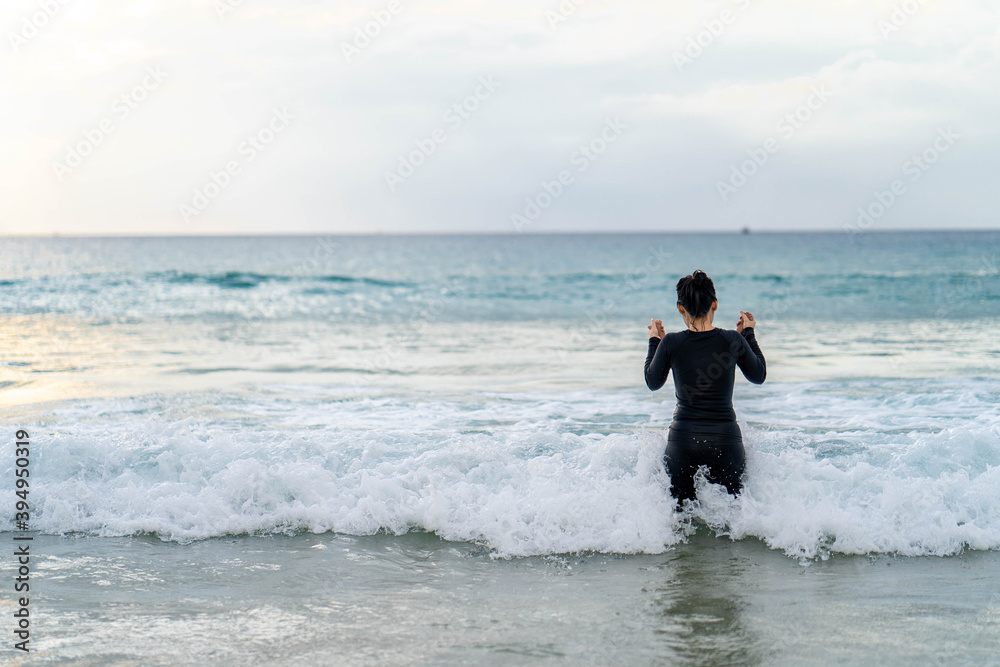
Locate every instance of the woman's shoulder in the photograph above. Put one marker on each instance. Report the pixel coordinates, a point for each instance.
(672, 339)
(731, 334)
(734, 338)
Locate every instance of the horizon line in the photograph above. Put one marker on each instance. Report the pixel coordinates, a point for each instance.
(747, 231)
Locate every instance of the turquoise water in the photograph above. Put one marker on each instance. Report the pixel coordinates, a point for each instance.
(198, 398)
(810, 277)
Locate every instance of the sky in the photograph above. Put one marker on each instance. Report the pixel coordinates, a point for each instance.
(497, 116)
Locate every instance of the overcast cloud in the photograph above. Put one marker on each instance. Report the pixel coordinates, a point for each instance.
(259, 116)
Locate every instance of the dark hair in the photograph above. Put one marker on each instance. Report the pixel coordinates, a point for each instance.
(696, 293)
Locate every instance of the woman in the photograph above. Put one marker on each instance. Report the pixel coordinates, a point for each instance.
(704, 431)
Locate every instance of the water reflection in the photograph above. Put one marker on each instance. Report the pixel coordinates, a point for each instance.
(701, 604)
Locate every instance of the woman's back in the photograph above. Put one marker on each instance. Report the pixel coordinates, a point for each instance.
(704, 364)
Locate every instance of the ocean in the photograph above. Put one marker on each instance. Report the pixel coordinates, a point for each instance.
(396, 450)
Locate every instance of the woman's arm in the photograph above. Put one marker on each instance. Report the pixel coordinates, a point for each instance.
(657, 358)
(750, 358)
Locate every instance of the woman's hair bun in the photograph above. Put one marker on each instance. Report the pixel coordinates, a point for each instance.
(696, 293)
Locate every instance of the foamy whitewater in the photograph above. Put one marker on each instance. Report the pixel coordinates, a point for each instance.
(906, 468)
(489, 390)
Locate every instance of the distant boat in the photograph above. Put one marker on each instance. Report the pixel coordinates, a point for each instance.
(746, 230)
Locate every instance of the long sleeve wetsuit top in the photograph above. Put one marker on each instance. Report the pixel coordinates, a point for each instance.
(704, 365)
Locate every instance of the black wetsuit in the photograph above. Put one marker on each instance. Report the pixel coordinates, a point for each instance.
(704, 431)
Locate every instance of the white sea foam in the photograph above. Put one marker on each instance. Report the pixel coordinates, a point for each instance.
(526, 474)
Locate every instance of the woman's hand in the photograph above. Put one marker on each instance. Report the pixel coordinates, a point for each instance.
(655, 328)
(746, 321)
